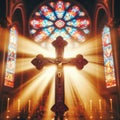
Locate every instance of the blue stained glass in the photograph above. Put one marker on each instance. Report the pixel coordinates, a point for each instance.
(81, 13)
(59, 33)
(60, 14)
(48, 30)
(71, 30)
(71, 13)
(68, 16)
(72, 23)
(82, 24)
(86, 31)
(106, 30)
(59, 10)
(51, 16)
(60, 17)
(47, 23)
(11, 58)
(40, 23)
(106, 39)
(108, 58)
(47, 12)
(75, 9)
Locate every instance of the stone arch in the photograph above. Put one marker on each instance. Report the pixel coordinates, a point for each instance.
(18, 17)
(102, 17)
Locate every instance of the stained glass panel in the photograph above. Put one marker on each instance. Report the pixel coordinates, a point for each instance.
(108, 58)
(59, 18)
(11, 58)
(60, 9)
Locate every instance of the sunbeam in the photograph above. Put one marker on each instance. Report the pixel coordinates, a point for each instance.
(27, 46)
(23, 64)
(80, 87)
(79, 83)
(33, 89)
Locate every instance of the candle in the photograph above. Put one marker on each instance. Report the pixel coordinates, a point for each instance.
(91, 105)
(100, 105)
(18, 105)
(29, 105)
(8, 104)
(111, 107)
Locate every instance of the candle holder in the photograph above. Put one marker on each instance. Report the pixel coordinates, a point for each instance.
(29, 110)
(100, 116)
(100, 110)
(8, 114)
(111, 114)
(18, 115)
(29, 117)
(8, 110)
(91, 117)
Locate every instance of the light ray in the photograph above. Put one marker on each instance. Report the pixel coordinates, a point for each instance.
(24, 64)
(90, 47)
(80, 86)
(27, 46)
(50, 101)
(34, 89)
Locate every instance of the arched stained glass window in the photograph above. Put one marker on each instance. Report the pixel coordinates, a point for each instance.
(11, 58)
(59, 18)
(108, 58)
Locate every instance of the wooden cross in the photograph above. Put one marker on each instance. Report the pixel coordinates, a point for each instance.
(59, 108)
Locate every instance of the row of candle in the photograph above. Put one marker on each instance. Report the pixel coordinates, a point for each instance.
(18, 105)
(100, 105)
(91, 105)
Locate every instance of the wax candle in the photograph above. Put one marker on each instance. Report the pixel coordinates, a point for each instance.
(111, 106)
(18, 104)
(100, 104)
(8, 104)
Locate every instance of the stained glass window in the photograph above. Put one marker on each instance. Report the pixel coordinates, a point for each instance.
(59, 18)
(11, 58)
(108, 58)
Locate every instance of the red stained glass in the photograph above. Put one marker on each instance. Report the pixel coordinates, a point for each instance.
(60, 24)
(65, 19)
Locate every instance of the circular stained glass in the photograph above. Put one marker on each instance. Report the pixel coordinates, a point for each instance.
(59, 18)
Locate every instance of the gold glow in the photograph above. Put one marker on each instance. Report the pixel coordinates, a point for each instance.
(50, 101)
(29, 47)
(33, 90)
(79, 86)
(24, 64)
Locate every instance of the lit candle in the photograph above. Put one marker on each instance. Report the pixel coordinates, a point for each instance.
(29, 105)
(100, 105)
(91, 105)
(111, 107)
(18, 105)
(8, 104)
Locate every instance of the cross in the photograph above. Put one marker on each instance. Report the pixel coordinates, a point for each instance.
(59, 108)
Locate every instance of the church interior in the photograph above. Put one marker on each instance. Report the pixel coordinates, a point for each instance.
(59, 60)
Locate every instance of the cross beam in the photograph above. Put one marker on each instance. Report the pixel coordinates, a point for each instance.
(59, 108)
